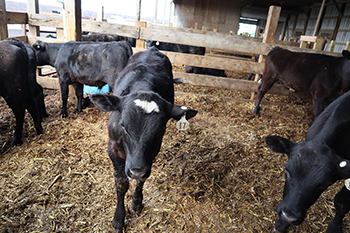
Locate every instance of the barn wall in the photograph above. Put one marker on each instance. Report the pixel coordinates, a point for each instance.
(301, 24)
(222, 15)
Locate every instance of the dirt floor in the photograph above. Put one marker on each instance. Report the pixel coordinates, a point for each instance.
(218, 176)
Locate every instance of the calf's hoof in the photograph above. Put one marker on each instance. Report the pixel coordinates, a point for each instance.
(275, 231)
(118, 226)
(16, 141)
(136, 207)
(64, 115)
(39, 131)
(256, 111)
(120, 230)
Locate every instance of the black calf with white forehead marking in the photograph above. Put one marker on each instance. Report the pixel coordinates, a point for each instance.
(88, 63)
(141, 105)
(315, 164)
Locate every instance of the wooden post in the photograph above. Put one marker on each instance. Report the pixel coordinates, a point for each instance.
(303, 44)
(141, 43)
(100, 14)
(331, 46)
(60, 33)
(33, 8)
(195, 25)
(3, 21)
(155, 12)
(257, 32)
(138, 12)
(347, 46)
(72, 27)
(318, 43)
(285, 26)
(269, 35)
(318, 22)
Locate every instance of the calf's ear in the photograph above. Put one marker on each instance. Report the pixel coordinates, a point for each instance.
(176, 112)
(346, 54)
(106, 103)
(343, 168)
(279, 145)
(38, 45)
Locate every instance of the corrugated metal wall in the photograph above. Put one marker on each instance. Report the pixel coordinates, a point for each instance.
(296, 25)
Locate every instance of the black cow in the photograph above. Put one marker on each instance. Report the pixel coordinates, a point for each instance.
(141, 105)
(315, 164)
(180, 48)
(36, 89)
(98, 37)
(88, 63)
(17, 86)
(325, 77)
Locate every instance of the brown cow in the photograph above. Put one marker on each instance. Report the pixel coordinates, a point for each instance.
(325, 77)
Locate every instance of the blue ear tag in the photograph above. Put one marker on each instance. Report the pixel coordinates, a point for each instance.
(182, 124)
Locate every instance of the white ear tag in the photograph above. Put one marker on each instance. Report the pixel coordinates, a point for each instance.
(347, 184)
(182, 124)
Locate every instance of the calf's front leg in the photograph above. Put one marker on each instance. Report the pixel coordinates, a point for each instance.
(79, 93)
(64, 96)
(121, 185)
(137, 197)
(342, 207)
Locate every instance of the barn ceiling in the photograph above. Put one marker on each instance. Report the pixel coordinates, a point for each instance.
(259, 8)
(291, 5)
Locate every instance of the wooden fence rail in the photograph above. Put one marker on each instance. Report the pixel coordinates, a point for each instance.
(214, 40)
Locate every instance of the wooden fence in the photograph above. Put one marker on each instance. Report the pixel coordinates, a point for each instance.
(214, 40)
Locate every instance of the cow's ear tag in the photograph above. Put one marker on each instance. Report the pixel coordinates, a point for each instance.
(182, 124)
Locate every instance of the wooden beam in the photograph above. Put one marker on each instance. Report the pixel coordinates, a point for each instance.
(339, 19)
(33, 8)
(236, 84)
(205, 39)
(3, 21)
(271, 24)
(310, 38)
(269, 35)
(319, 19)
(138, 12)
(45, 20)
(332, 45)
(139, 42)
(32, 39)
(48, 83)
(218, 41)
(215, 62)
(307, 13)
(110, 28)
(16, 17)
(285, 26)
(100, 14)
(72, 20)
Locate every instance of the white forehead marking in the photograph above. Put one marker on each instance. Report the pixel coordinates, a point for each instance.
(342, 164)
(147, 106)
(183, 107)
